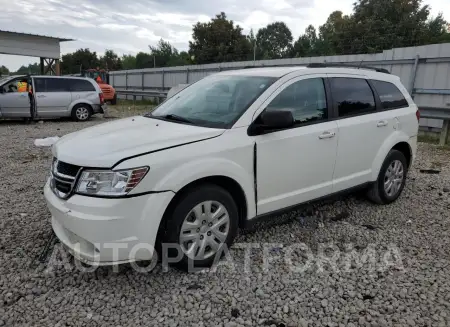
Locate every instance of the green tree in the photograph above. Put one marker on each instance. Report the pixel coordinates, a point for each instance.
(166, 55)
(73, 63)
(336, 36)
(308, 44)
(30, 69)
(144, 60)
(110, 61)
(275, 41)
(4, 70)
(128, 62)
(218, 41)
(251, 38)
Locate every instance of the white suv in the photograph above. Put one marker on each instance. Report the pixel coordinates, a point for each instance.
(222, 153)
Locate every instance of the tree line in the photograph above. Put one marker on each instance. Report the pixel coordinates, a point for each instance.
(373, 26)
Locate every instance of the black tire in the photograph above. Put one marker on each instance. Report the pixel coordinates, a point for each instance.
(114, 100)
(377, 192)
(86, 114)
(187, 201)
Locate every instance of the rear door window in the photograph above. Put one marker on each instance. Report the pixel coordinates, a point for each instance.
(79, 85)
(390, 96)
(353, 96)
(43, 84)
(56, 85)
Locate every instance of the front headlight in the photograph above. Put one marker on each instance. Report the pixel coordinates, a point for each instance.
(109, 183)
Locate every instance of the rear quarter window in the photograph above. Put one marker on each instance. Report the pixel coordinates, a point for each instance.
(79, 85)
(390, 96)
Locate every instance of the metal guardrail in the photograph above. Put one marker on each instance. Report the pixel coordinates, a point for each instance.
(142, 93)
(435, 113)
(438, 113)
(161, 94)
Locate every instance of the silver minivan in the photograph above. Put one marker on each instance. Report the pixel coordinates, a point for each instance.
(54, 97)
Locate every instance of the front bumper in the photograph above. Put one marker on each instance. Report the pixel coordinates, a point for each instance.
(108, 231)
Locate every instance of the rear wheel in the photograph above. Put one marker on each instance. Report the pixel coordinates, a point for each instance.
(391, 179)
(203, 221)
(81, 112)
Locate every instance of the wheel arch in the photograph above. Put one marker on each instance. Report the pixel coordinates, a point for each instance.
(227, 183)
(81, 102)
(397, 141)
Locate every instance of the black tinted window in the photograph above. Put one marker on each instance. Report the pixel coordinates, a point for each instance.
(39, 84)
(56, 85)
(390, 95)
(352, 95)
(79, 85)
(305, 99)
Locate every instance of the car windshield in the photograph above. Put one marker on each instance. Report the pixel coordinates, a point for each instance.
(216, 101)
(5, 79)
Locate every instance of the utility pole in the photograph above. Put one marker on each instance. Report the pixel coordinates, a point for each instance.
(254, 51)
(154, 61)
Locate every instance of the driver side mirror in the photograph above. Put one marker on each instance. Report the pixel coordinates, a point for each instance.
(271, 120)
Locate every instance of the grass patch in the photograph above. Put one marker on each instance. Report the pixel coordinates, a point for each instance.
(428, 138)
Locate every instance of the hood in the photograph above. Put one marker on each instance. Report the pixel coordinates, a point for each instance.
(104, 145)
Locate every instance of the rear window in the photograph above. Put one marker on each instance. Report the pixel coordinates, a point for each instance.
(79, 85)
(390, 96)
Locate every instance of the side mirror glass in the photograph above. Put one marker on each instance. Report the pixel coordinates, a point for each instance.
(272, 120)
(277, 119)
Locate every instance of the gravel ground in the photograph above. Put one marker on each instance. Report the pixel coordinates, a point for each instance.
(364, 265)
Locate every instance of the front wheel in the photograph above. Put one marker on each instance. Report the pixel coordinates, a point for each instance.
(203, 221)
(391, 179)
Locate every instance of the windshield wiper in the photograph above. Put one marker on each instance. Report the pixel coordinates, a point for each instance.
(172, 117)
(177, 118)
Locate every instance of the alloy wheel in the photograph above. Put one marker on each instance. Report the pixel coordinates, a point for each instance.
(393, 178)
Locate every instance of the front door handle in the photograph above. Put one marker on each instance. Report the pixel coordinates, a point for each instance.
(41, 96)
(382, 123)
(327, 135)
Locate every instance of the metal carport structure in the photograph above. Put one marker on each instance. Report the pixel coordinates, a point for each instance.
(47, 48)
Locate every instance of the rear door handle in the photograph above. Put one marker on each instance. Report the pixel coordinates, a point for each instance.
(327, 135)
(382, 123)
(41, 96)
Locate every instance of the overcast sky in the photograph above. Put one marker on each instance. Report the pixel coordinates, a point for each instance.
(130, 26)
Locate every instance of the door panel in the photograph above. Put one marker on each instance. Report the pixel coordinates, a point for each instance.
(362, 130)
(13, 103)
(360, 138)
(52, 103)
(52, 96)
(296, 165)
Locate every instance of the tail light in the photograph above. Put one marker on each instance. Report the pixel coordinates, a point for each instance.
(102, 98)
(418, 114)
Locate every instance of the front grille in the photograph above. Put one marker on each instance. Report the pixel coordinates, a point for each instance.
(67, 169)
(63, 178)
(62, 186)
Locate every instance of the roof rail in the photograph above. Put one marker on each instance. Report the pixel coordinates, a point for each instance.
(325, 64)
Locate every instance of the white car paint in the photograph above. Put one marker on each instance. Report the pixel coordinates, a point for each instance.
(113, 141)
(292, 166)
